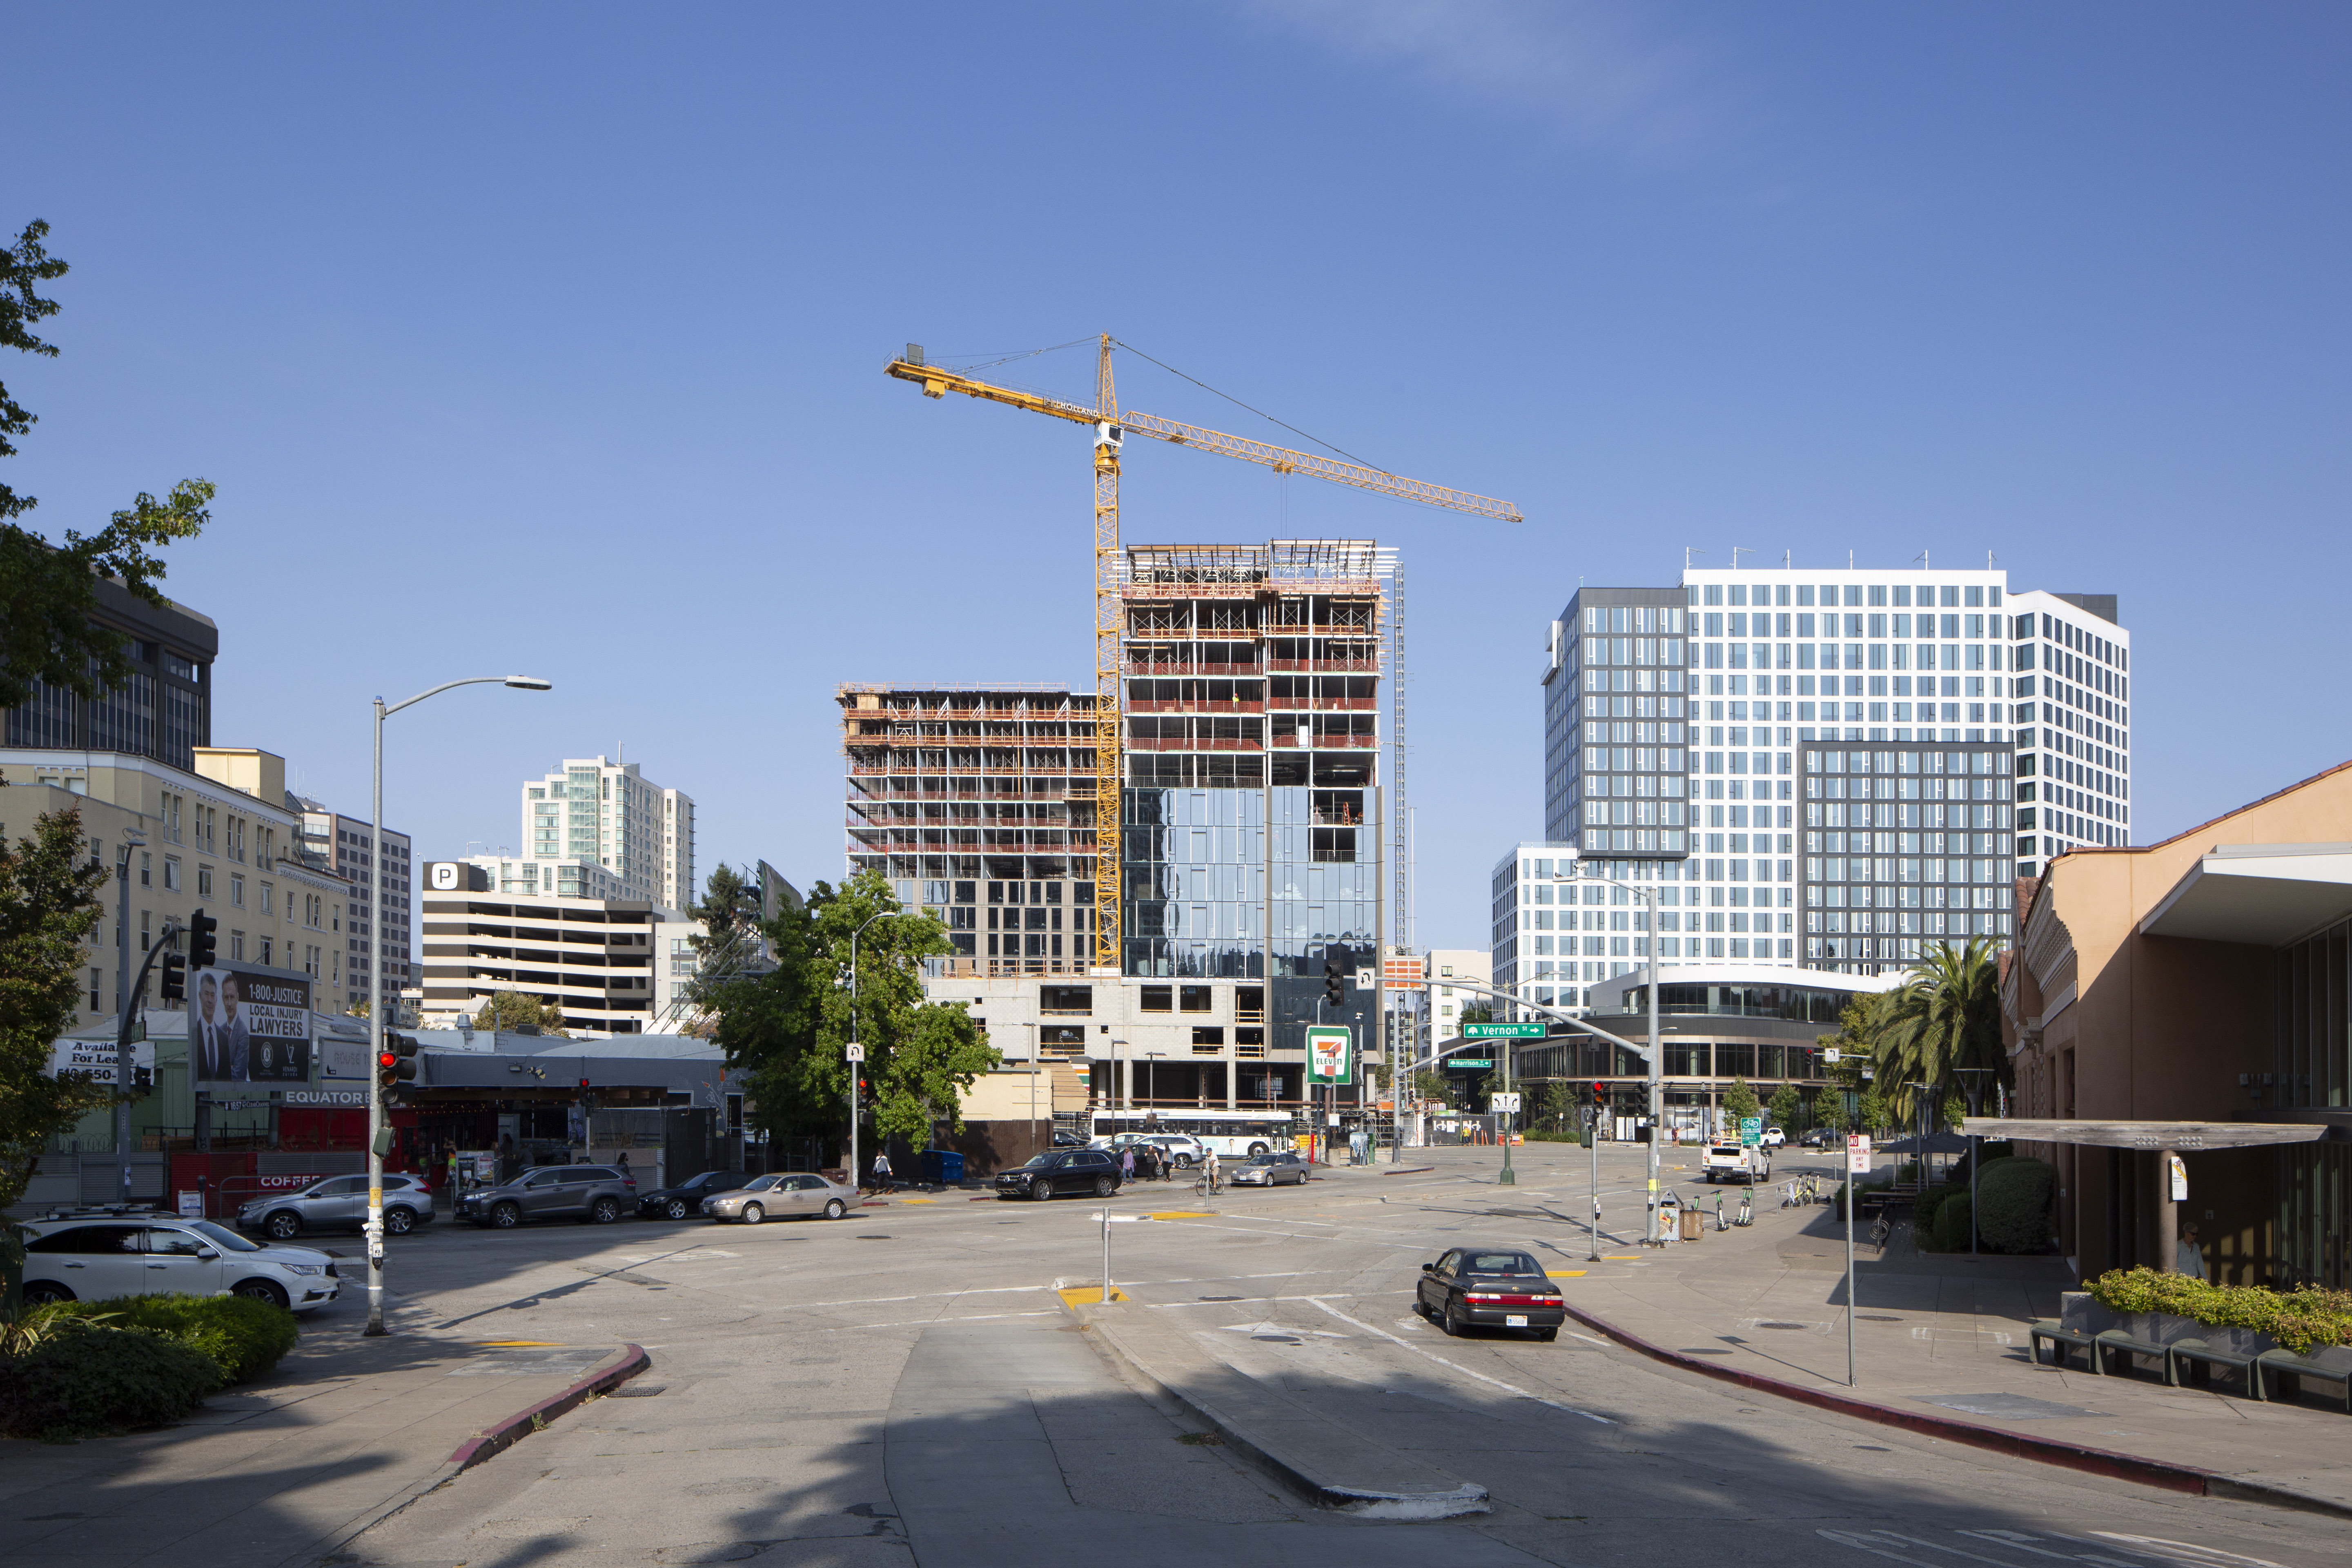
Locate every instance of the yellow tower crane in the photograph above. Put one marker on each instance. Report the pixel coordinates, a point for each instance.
(1111, 427)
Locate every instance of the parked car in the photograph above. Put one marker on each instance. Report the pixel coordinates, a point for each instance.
(1180, 1148)
(1774, 1138)
(1490, 1287)
(1821, 1138)
(98, 1254)
(1269, 1170)
(338, 1202)
(1063, 1140)
(782, 1195)
(1092, 1171)
(597, 1193)
(685, 1198)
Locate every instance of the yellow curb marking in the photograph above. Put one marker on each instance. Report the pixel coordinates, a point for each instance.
(919, 1200)
(1080, 1295)
(1564, 1274)
(1621, 1258)
(1181, 1214)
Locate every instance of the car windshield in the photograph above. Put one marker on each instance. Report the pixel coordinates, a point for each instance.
(221, 1236)
(1499, 1263)
(1039, 1162)
(714, 1179)
(760, 1183)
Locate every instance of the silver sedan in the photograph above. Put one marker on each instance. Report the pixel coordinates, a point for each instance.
(782, 1195)
(1269, 1170)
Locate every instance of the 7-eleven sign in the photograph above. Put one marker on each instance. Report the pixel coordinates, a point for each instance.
(1330, 1053)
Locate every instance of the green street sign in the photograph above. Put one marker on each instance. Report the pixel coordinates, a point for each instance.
(1469, 1061)
(1751, 1130)
(1502, 1031)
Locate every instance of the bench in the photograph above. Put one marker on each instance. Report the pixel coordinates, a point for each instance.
(2287, 1370)
(2059, 1337)
(2198, 1354)
(2114, 1341)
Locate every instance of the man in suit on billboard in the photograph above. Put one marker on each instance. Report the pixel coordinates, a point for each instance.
(235, 1043)
(203, 1041)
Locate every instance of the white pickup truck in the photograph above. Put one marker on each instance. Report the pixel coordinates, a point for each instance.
(1736, 1163)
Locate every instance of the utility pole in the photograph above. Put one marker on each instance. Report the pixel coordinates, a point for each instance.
(123, 1007)
(857, 1050)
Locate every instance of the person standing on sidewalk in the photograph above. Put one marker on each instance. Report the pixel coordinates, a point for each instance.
(2190, 1259)
(881, 1173)
(1126, 1165)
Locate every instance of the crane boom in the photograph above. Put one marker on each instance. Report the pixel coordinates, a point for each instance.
(1110, 428)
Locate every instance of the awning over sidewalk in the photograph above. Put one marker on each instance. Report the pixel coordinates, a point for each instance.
(2262, 894)
(2174, 1135)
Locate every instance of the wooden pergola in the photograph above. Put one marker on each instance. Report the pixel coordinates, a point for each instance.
(2164, 1139)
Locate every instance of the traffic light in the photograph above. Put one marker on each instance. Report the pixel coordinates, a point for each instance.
(200, 945)
(396, 1063)
(587, 1101)
(1335, 989)
(1600, 1096)
(865, 1094)
(175, 978)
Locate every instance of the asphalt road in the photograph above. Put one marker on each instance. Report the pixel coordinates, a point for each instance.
(906, 1386)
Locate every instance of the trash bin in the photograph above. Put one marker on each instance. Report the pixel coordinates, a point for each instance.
(1694, 1224)
(942, 1167)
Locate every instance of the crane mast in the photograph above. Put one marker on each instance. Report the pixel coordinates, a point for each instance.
(1110, 430)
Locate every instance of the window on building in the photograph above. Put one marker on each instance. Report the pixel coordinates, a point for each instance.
(1156, 999)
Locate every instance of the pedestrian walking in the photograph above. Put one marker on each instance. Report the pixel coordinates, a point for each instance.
(1127, 1164)
(2190, 1259)
(882, 1173)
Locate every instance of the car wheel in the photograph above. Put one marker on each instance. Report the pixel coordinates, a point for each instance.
(399, 1220)
(753, 1214)
(1259, 1149)
(675, 1208)
(506, 1216)
(1184, 1162)
(1104, 1186)
(260, 1291)
(835, 1209)
(43, 1292)
(1547, 1335)
(605, 1211)
(1451, 1322)
(283, 1226)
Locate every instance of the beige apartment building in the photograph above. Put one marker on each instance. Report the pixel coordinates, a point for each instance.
(222, 838)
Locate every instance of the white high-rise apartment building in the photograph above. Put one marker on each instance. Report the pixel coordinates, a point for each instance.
(1711, 733)
(609, 814)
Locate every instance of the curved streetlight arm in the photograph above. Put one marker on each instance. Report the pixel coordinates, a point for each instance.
(521, 682)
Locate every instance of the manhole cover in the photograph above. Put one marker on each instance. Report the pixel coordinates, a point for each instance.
(872, 1238)
(637, 1390)
(1274, 1339)
(1799, 1326)
(1877, 1318)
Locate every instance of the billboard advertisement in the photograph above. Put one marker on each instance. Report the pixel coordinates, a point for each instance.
(1330, 1053)
(247, 1028)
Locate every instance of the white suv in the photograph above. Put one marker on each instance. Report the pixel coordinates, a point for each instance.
(94, 1254)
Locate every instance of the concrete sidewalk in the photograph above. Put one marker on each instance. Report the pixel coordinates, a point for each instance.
(1941, 1345)
(345, 1432)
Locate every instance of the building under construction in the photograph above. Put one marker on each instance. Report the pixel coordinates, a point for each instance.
(1250, 833)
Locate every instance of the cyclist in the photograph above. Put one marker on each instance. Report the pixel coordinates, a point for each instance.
(1208, 1168)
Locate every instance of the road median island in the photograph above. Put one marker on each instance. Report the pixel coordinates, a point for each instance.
(1329, 1465)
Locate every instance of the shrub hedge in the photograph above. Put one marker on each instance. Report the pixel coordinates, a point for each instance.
(2013, 1205)
(2296, 1319)
(1955, 1218)
(92, 1378)
(242, 1337)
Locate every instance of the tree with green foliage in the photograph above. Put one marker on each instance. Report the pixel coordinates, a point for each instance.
(48, 637)
(51, 896)
(1787, 1103)
(1559, 1103)
(1436, 1085)
(1870, 1112)
(1739, 1102)
(1829, 1109)
(1477, 1012)
(786, 1029)
(516, 1009)
(1945, 1017)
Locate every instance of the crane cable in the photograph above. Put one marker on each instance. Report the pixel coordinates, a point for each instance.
(1259, 411)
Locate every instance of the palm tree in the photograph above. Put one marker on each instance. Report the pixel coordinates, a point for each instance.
(1944, 1018)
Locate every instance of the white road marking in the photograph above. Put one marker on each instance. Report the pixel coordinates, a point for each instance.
(929, 1322)
(1496, 1382)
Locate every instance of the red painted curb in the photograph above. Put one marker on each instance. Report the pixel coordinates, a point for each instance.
(506, 1434)
(2189, 1479)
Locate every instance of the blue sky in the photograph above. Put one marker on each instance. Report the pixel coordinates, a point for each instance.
(550, 338)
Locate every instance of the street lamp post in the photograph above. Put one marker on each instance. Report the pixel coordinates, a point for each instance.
(1648, 892)
(858, 1067)
(124, 1000)
(1976, 1094)
(376, 1126)
(1150, 1077)
(1117, 1100)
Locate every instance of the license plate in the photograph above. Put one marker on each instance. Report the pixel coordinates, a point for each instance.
(1515, 1321)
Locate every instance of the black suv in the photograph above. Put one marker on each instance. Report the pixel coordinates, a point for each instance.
(597, 1193)
(1061, 1170)
(685, 1200)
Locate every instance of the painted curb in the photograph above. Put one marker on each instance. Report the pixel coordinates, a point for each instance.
(498, 1439)
(1364, 1502)
(2195, 1481)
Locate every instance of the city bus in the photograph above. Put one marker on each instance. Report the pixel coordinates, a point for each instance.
(1233, 1134)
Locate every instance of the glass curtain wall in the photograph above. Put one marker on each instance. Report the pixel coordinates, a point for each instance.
(2313, 1072)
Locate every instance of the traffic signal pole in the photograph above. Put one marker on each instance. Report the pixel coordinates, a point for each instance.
(376, 1127)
